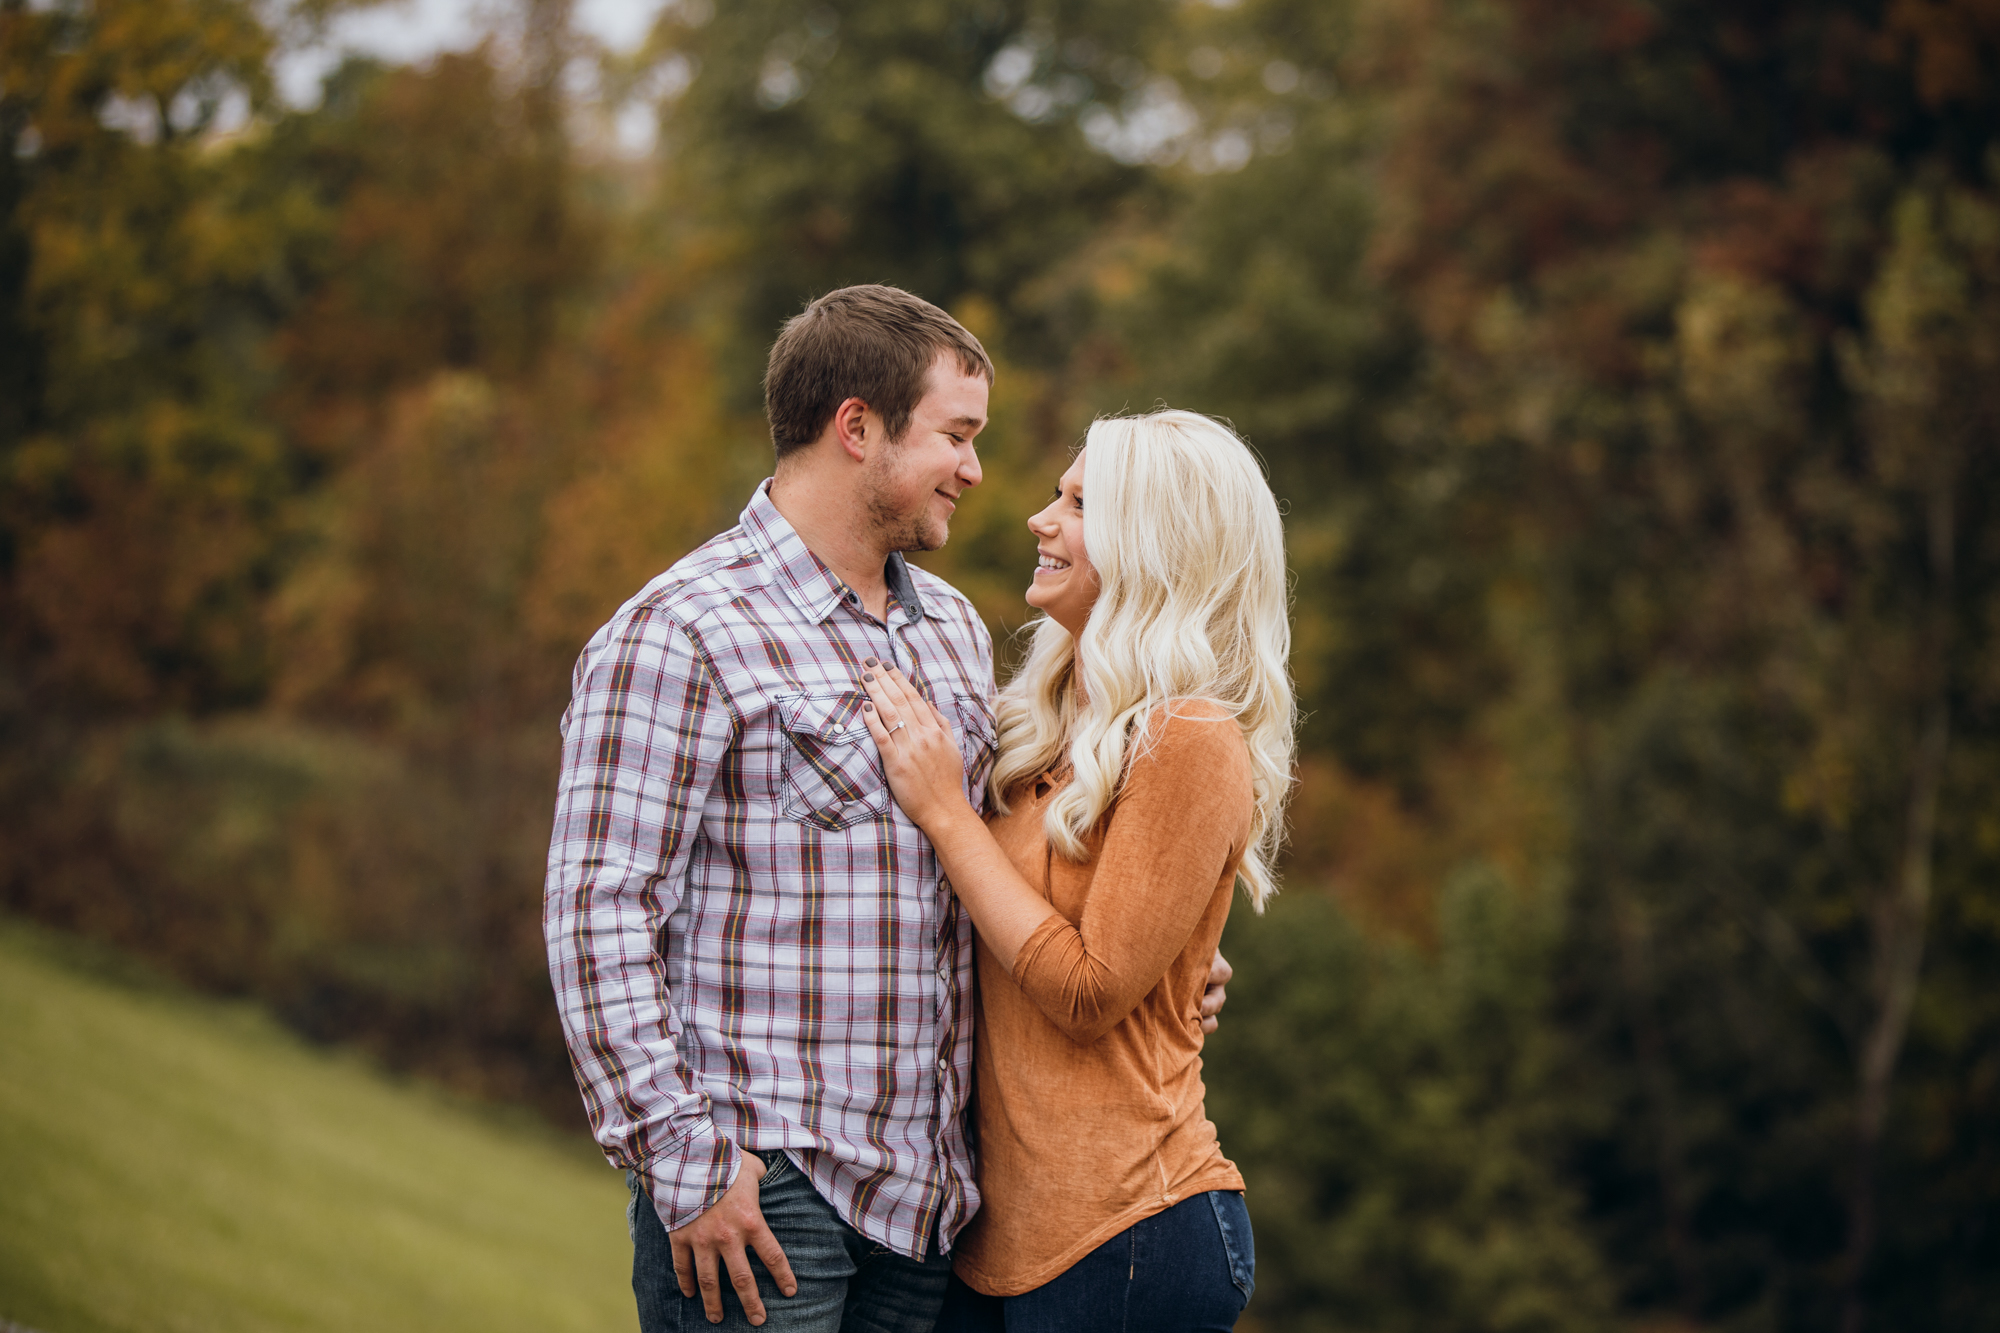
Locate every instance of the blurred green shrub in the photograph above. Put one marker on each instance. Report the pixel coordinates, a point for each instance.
(1401, 1115)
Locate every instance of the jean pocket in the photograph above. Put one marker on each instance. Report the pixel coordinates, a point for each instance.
(632, 1206)
(776, 1166)
(1232, 1218)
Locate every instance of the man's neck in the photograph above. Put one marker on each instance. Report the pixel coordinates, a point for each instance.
(830, 521)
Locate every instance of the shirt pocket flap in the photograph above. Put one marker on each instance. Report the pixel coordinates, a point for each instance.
(975, 717)
(834, 718)
(977, 738)
(833, 776)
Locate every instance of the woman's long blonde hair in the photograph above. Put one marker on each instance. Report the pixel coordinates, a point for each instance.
(1190, 556)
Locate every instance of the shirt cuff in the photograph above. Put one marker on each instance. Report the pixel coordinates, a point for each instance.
(687, 1179)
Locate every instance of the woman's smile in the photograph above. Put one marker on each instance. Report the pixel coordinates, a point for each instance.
(1060, 551)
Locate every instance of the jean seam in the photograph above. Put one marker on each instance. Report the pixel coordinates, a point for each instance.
(1131, 1273)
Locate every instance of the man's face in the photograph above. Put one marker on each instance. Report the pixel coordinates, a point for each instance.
(912, 487)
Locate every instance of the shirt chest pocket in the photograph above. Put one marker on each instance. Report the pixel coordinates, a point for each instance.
(975, 738)
(832, 774)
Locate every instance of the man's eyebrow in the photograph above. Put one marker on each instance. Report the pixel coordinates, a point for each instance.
(966, 421)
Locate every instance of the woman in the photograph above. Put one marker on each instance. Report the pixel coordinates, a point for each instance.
(1145, 755)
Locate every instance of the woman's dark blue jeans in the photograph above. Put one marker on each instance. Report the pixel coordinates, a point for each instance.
(1189, 1269)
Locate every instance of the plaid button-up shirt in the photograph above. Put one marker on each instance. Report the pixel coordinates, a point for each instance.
(752, 947)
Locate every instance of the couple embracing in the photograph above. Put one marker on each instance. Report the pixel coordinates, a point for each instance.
(888, 992)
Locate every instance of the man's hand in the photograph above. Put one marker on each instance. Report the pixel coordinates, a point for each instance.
(1212, 999)
(724, 1232)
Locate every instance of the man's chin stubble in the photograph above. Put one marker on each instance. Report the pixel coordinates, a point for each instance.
(904, 533)
(918, 538)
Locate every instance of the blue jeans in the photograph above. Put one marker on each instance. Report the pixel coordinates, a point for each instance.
(847, 1283)
(1190, 1269)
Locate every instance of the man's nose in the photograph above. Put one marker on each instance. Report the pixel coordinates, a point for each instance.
(969, 470)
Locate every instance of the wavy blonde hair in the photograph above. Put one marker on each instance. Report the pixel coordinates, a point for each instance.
(1190, 557)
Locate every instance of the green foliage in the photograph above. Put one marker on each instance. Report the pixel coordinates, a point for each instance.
(1399, 1119)
(139, 295)
(830, 145)
(1256, 305)
(1759, 582)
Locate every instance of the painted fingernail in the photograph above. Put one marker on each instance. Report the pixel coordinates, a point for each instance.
(868, 661)
(867, 707)
(867, 675)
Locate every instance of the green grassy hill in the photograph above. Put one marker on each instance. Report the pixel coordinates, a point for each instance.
(170, 1164)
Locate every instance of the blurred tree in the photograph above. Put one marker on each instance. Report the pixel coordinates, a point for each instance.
(139, 269)
(1716, 290)
(454, 236)
(1399, 1119)
(1253, 303)
(142, 487)
(415, 373)
(934, 146)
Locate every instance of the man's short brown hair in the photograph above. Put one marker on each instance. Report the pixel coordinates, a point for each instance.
(869, 342)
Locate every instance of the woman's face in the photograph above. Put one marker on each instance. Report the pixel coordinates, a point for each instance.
(1065, 585)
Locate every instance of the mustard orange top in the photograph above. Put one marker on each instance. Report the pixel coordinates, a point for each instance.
(1089, 1087)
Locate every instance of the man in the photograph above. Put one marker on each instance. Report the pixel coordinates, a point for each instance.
(764, 982)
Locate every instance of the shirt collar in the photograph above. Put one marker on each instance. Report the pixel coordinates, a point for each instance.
(815, 589)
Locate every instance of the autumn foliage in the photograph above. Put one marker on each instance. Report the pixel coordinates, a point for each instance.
(1628, 371)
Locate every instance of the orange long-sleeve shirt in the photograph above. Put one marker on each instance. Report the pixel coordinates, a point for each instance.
(1089, 1084)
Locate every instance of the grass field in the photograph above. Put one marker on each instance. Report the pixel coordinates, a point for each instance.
(171, 1164)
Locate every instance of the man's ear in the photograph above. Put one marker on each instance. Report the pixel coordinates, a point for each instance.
(851, 429)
